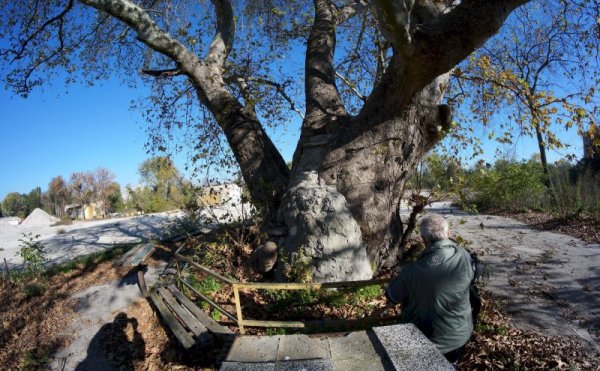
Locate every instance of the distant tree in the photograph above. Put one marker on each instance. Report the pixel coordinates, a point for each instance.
(114, 198)
(103, 179)
(34, 199)
(541, 72)
(57, 196)
(15, 204)
(160, 174)
(82, 187)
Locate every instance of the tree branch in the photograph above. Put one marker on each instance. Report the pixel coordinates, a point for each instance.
(350, 10)
(148, 32)
(447, 39)
(322, 97)
(58, 18)
(163, 73)
(351, 86)
(223, 40)
(394, 19)
(280, 88)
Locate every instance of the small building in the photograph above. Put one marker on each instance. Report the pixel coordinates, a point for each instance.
(221, 194)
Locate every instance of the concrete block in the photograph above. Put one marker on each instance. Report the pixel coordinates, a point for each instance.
(357, 365)
(353, 346)
(406, 348)
(429, 359)
(295, 347)
(253, 349)
(305, 365)
(240, 366)
(402, 337)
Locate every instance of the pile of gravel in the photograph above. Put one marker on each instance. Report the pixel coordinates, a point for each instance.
(39, 218)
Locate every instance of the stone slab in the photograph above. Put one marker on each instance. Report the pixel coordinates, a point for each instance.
(429, 359)
(295, 347)
(305, 365)
(357, 365)
(254, 349)
(408, 349)
(241, 366)
(401, 337)
(353, 346)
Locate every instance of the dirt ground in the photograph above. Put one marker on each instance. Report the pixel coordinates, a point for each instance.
(542, 309)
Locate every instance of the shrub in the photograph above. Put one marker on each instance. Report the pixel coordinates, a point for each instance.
(509, 185)
(32, 253)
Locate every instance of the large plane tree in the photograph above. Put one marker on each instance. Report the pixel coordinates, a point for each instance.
(339, 204)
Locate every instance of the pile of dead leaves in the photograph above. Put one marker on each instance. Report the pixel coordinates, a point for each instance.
(586, 228)
(497, 345)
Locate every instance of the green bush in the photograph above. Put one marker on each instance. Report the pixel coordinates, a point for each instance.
(32, 253)
(509, 185)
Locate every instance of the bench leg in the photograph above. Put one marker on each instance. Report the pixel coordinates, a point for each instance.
(142, 280)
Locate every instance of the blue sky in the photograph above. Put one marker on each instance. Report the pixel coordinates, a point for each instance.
(53, 132)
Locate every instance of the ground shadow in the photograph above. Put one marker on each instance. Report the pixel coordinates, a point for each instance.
(111, 349)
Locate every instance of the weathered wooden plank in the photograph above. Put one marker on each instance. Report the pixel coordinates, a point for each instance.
(188, 320)
(182, 335)
(210, 323)
(131, 252)
(142, 254)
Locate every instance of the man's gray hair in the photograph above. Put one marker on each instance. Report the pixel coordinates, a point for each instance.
(434, 228)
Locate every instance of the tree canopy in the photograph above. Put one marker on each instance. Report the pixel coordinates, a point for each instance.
(368, 79)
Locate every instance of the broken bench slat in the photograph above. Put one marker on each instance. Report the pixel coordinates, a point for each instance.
(210, 323)
(203, 336)
(142, 254)
(131, 252)
(181, 333)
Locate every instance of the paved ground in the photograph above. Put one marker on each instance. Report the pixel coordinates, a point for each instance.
(396, 347)
(66, 242)
(96, 307)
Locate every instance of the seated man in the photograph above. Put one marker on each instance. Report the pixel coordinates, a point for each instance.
(434, 290)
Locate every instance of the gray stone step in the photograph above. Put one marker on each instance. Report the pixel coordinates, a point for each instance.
(406, 348)
(397, 347)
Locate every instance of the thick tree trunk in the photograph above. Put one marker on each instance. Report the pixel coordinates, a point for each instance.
(341, 209)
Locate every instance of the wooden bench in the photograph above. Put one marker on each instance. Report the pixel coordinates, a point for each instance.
(137, 254)
(190, 325)
(135, 258)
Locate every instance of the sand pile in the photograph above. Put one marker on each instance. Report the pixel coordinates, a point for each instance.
(39, 217)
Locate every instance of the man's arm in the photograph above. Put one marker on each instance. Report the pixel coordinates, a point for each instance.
(397, 291)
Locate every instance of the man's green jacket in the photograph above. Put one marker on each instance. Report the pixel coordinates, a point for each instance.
(434, 292)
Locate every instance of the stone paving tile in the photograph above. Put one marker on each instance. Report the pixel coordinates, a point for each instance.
(401, 337)
(241, 366)
(357, 365)
(355, 345)
(305, 365)
(293, 347)
(254, 349)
